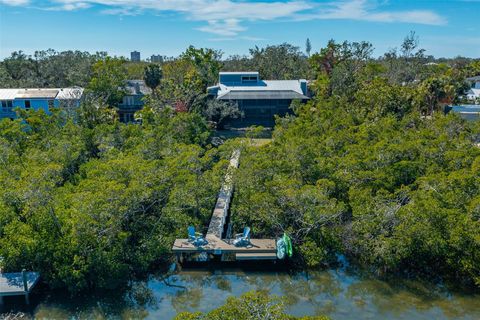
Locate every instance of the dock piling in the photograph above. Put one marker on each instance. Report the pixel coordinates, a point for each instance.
(25, 286)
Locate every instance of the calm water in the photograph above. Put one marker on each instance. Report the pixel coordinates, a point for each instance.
(335, 293)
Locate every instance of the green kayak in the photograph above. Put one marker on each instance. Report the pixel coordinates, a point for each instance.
(284, 247)
(288, 245)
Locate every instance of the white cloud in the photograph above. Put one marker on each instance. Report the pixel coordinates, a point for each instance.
(15, 2)
(225, 17)
(363, 11)
(75, 6)
(228, 27)
(68, 6)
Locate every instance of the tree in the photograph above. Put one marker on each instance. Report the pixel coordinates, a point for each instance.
(430, 93)
(238, 63)
(279, 62)
(48, 68)
(379, 98)
(20, 70)
(326, 59)
(206, 62)
(406, 66)
(109, 76)
(218, 111)
(153, 75)
(410, 43)
(250, 306)
(308, 47)
(185, 80)
(341, 65)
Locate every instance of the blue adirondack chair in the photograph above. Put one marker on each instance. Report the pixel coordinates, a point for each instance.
(195, 237)
(242, 239)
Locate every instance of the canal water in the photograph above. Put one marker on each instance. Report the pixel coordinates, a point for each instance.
(338, 294)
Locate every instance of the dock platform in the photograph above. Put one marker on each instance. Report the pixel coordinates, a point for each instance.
(219, 244)
(259, 249)
(18, 284)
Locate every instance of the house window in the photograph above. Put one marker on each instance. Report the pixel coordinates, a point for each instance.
(127, 117)
(6, 105)
(27, 104)
(50, 104)
(249, 79)
(129, 101)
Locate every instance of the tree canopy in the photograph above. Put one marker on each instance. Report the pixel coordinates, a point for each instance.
(250, 306)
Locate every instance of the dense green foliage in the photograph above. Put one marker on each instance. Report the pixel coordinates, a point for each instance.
(90, 206)
(48, 69)
(153, 76)
(395, 194)
(253, 305)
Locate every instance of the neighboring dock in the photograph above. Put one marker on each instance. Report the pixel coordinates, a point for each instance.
(218, 244)
(18, 284)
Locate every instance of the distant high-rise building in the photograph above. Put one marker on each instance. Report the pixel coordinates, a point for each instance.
(135, 56)
(156, 58)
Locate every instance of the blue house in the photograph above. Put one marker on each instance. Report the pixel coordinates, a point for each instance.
(259, 100)
(37, 98)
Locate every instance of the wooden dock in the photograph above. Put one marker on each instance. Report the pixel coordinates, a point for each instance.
(217, 244)
(18, 284)
(259, 249)
(220, 212)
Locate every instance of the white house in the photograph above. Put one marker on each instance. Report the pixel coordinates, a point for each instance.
(37, 98)
(473, 94)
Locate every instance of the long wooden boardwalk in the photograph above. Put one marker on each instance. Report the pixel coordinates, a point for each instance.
(217, 244)
(220, 212)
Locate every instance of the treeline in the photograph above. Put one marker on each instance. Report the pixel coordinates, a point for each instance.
(48, 68)
(180, 82)
(408, 63)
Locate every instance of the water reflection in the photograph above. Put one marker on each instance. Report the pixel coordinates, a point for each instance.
(336, 293)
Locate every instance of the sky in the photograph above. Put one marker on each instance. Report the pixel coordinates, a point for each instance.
(167, 27)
